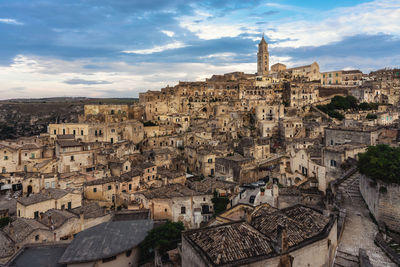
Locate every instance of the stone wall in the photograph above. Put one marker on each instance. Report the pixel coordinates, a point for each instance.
(383, 201)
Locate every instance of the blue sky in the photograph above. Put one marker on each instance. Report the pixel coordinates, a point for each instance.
(118, 48)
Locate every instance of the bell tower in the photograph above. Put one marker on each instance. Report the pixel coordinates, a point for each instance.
(262, 58)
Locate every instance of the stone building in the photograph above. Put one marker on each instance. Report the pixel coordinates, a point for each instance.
(177, 202)
(114, 243)
(342, 135)
(51, 198)
(334, 156)
(278, 67)
(310, 72)
(238, 169)
(295, 236)
(332, 77)
(262, 58)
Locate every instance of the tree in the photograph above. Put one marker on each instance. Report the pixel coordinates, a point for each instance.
(352, 101)
(364, 106)
(381, 162)
(372, 116)
(220, 203)
(163, 238)
(4, 221)
(335, 114)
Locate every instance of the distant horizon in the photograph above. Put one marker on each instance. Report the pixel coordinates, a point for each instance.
(127, 97)
(108, 49)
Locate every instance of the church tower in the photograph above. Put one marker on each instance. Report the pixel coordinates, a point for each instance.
(262, 58)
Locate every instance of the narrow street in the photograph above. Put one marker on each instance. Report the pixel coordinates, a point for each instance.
(359, 229)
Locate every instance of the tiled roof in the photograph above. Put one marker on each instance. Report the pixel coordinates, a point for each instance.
(208, 185)
(91, 210)
(170, 191)
(22, 228)
(50, 193)
(68, 143)
(230, 243)
(56, 218)
(106, 240)
(241, 242)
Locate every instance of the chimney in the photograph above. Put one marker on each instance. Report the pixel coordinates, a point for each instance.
(81, 220)
(248, 216)
(11, 228)
(282, 238)
(42, 181)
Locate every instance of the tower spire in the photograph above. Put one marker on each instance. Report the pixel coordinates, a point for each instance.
(262, 57)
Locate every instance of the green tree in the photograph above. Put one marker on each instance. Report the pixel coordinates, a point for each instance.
(352, 101)
(371, 116)
(220, 203)
(4, 221)
(163, 238)
(381, 162)
(364, 106)
(335, 114)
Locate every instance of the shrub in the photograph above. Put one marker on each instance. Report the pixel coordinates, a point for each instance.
(381, 162)
(163, 238)
(372, 116)
(4, 221)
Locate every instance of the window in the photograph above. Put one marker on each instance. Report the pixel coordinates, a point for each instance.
(109, 187)
(36, 215)
(128, 253)
(63, 131)
(209, 160)
(47, 185)
(36, 237)
(165, 210)
(81, 132)
(63, 207)
(183, 210)
(55, 131)
(333, 163)
(130, 186)
(32, 155)
(94, 190)
(19, 213)
(69, 205)
(74, 132)
(72, 158)
(5, 157)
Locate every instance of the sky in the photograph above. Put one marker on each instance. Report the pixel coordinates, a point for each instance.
(118, 48)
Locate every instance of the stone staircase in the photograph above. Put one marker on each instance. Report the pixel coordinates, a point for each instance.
(359, 229)
(344, 259)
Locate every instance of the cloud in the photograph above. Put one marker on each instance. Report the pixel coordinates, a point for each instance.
(168, 33)
(123, 80)
(156, 49)
(87, 82)
(10, 21)
(376, 17)
(220, 55)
